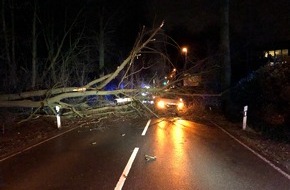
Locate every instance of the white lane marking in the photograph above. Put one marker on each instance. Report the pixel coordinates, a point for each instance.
(126, 170)
(146, 127)
(255, 153)
(28, 148)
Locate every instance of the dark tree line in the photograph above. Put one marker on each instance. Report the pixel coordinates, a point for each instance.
(60, 43)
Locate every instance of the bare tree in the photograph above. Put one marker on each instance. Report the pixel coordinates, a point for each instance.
(226, 56)
(34, 47)
(101, 43)
(56, 52)
(9, 42)
(108, 20)
(59, 96)
(225, 46)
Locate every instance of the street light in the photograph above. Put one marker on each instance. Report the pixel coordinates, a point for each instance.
(184, 50)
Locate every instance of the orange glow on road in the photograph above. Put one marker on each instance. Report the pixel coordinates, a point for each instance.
(179, 161)
(177, 141)
(161, 133)
(171, 147)
(171, 134)
(181, 122)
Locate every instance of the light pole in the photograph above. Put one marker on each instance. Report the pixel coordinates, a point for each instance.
(184, 51)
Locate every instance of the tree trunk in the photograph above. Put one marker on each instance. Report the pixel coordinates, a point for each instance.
(34, 49)
(226, 58)
(68, 98)
(101, 47)
(6, 39)
(13, 66)
(225, 47)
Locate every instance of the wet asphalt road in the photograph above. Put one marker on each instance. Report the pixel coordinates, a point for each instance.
(188, 156)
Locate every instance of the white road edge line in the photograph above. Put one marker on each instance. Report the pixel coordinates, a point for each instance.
(146, 127)
(254, 152)
(28, 148)
(126, 170)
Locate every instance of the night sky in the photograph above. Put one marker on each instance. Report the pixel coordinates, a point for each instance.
(184, 19)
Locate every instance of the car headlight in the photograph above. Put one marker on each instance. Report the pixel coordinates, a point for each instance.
(161, 104)
(180, 105)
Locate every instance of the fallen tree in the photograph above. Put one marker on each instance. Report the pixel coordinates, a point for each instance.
(74, 100)
(49, 98)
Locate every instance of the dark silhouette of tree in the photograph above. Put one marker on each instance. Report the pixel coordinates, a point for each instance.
(225, 47)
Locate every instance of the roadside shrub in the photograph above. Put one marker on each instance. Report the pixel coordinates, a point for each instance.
(266, 92)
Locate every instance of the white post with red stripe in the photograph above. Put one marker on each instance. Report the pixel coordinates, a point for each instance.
(245, 118)
(57, 108)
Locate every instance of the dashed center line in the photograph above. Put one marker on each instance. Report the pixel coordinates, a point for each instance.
(124, 175)
(146, 127)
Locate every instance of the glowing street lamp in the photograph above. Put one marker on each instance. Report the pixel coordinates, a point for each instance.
(184, 50)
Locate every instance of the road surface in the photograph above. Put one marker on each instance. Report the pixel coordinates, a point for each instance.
(184, 155)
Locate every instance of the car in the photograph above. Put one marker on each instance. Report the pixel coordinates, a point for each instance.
(169, 104)
(123, 100)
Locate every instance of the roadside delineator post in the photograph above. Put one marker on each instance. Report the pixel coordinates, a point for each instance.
(57, 108)
(245, 117)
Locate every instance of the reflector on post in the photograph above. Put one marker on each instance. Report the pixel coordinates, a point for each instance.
(245, 118)
(57, 108)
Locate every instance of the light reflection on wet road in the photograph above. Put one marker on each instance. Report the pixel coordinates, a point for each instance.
(195, 156)
(188, 156)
